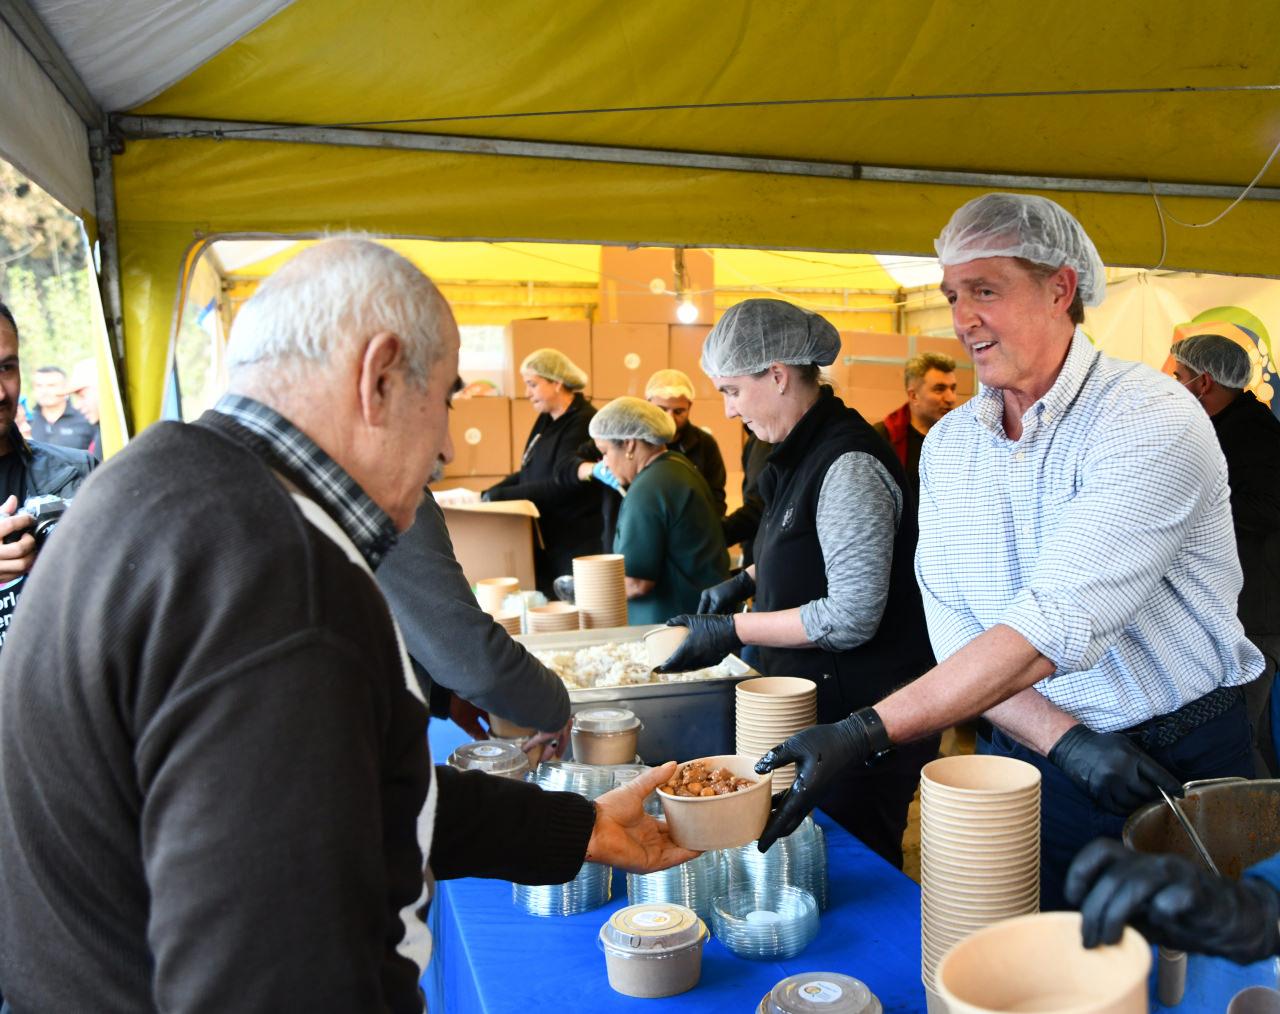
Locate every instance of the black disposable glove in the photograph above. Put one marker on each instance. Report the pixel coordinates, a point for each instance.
(726, 596)
(1173, 902)
(819, 753)
(1111, 770)
(710, 639)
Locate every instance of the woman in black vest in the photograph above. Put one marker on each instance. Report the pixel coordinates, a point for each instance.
(835, 594)
(569, 510)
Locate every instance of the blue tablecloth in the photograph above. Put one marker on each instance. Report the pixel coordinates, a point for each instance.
(490, 957)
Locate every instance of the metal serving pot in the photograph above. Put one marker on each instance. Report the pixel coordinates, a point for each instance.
(1237, 819)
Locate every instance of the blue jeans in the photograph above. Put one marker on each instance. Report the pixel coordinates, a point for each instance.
(1069, 819)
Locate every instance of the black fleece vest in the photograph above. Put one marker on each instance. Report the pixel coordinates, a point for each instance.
(790, 569)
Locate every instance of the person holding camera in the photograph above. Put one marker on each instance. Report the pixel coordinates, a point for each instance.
(35, 481)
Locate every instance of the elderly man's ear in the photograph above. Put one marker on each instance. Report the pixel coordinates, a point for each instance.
(381, 368)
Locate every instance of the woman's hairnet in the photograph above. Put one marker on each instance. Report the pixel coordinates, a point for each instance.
(669, 384)
(1033, 228)
(1224, 360)
(757, 332)
(552, 364)
(632, 419)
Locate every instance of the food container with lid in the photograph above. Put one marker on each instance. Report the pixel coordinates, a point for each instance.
(653, 950)
(605, 736)
(820, 993)
(496, 758)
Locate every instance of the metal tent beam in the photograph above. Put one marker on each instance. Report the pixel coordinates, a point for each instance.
(162, 127)
(31, 31)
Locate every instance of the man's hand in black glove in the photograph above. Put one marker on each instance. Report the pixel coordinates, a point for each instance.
(710, 639)
(1172, 902)
(819, 753)
(1111, 770)
(726, 596)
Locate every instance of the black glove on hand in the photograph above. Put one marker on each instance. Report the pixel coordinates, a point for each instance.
(726, 596)
(1111, 770)
(819, 753)
(1173, 902)
(710, 639)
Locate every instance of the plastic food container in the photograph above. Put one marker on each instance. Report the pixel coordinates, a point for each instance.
(765, 925)
(505, 759)
(820, 993)
(653, 950)
(605, 736)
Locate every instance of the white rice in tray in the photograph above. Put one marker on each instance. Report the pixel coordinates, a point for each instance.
(617, 664)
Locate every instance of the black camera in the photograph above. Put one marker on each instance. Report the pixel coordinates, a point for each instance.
(47, 510)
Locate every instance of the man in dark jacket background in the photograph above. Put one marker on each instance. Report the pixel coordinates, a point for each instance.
(930, 381)
(1216, 370)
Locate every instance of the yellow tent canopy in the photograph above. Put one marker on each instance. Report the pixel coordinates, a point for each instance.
(808, 125)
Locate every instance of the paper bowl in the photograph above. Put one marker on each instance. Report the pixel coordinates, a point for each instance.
(778, 686)
(660, 643)
(1038, 962)
(701, 823)
(975, 775)
(503, 729)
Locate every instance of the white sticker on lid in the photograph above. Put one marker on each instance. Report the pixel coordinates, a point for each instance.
(821, 991)
(473, 436)
(653, 920)
(631, 361)
(488, 751)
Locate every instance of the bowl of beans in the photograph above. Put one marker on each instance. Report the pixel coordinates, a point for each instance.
(716, 802)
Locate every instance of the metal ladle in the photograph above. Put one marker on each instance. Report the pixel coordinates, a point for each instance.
(1191, 833)
(1171, 969)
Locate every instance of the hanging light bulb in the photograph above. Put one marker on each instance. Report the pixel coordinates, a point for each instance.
(686, 311)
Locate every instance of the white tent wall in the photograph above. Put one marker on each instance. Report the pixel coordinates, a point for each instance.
(39, 132)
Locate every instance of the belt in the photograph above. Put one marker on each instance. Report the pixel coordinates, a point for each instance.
(1165, 730)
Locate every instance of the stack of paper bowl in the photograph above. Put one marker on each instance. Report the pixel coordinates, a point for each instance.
(492, 592)
(553, 617)
(600, 591)
(979, 849)
(509, 621)
(770, 709)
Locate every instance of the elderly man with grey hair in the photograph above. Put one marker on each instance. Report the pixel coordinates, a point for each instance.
(1216, 370)
(215, 782)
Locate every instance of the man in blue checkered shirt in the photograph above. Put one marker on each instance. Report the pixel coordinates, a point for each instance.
(1076, 554)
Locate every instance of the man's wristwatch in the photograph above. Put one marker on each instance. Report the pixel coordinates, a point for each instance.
(875, 732)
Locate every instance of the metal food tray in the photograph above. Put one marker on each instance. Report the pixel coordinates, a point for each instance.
(683, 720)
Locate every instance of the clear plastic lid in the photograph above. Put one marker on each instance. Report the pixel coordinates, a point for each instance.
(487, 755)
(820, 993)
(652, 930)
(605, 720)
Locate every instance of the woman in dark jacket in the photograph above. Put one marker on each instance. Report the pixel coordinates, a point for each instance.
(569, 510)
(835, 596)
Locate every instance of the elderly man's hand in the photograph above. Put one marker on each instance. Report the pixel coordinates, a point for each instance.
(543, 746)
(17, 557)
(1114, 773)
(628, 838)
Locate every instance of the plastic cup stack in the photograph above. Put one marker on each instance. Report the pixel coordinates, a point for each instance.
(552, 618)
(600, 591)
(624, 773)
(766, 924)
(695, 884)
(979, 850)
(770, 709)
(798, 860)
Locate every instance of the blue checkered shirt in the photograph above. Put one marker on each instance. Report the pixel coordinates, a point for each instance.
(1103, 536)
(364, 522)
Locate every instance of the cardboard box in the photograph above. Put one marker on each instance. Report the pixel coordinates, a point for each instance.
(732, 490)
(624, 356)
(947, 346)
(477, 482)
(494, 539)
(572, 337)
(481, 432)
(685, 354)
(523, 416)
(640, 286)
(873, 403)
(709, 415)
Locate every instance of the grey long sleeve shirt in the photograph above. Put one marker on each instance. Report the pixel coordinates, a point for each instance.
(859, 509)
(449, 636)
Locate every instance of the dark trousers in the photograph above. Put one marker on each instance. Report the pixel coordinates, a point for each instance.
(871, 802)
(1069, 820)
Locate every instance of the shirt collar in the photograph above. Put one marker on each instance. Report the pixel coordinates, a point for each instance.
(1081, 355)
(327, 482)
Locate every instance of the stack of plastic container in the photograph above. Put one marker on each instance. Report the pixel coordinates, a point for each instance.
(798, 860)
(766, 923)
(695, 884)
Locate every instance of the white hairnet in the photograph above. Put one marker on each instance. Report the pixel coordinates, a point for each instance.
(552, 364)
(669, 384)
(1224, 360)
(757, 332)
(1033, 228)
(632, 419)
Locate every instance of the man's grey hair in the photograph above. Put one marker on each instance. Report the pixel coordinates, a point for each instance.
(335, 294)
(918, 366)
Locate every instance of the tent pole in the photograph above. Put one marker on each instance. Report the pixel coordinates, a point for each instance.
(179, 128)
(104, 192)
